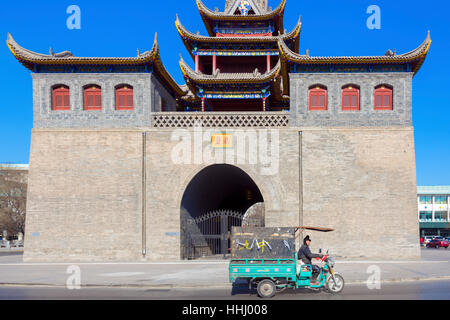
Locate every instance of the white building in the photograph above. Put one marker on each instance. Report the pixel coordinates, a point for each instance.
(434, 210)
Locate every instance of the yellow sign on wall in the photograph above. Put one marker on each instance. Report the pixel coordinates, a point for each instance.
(222, 140)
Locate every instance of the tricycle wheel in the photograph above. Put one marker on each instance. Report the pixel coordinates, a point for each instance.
(266, 289)
(337, 287)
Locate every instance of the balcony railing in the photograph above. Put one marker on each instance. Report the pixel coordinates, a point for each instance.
(220, 119)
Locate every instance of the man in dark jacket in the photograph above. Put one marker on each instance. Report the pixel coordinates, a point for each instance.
(306, 256)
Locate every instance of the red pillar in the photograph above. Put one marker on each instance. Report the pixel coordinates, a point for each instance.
(268, 63)
(214, 62)
(196, 62)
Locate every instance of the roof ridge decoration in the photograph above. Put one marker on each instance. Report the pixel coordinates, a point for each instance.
(218, 77)
(204, 10)
(208, 14)
(29, 59)
(417, 55)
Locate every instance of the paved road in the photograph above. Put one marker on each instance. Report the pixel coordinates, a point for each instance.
(424, 290)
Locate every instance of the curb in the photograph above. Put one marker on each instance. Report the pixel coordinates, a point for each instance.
(193, 286)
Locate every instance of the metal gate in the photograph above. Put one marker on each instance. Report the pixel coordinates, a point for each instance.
(210, 234)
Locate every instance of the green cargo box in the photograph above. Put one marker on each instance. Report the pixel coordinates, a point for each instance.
(262, 243)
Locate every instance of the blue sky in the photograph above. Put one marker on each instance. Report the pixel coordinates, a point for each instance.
(118, 28)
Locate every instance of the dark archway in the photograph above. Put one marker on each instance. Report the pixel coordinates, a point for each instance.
(215, 200)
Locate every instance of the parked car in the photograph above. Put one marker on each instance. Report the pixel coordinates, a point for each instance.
(436, 243)
(427, 240)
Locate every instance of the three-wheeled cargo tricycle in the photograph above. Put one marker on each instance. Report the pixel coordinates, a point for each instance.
(266, 258)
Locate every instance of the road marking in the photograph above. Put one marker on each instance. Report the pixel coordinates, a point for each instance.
(121, 274)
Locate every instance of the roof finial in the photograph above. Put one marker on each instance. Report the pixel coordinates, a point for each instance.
(389, 53)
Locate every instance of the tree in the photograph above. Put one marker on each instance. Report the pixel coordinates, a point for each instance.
(13, 198)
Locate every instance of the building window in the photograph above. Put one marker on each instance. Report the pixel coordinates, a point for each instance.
(124, 97)
(92, 97)
(440, 200)
(317, 98)
(383, 97)
(440, 216)
(426, 216)
(350, 98)
(61, 97)
(426, 200)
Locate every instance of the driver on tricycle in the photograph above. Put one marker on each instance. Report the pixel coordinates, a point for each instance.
(306, 256)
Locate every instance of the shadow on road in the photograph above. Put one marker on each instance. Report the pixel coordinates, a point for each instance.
(245, 289)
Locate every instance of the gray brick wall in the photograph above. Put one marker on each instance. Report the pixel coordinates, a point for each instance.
(86, 187)
(401, 115)
(148, 93)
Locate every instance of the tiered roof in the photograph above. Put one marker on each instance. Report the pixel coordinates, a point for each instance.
(211, 17)
(233, 44)
(190, 39)
(152, 59)
(414, 58)
(218, 77)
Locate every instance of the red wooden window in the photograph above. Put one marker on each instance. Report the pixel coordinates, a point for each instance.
(318, 98)
(383, 98)
(350, 98)
(93, 98)
(124, 98)
(61, 98)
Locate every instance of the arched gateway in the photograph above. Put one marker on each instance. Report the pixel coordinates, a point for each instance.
(215, 200)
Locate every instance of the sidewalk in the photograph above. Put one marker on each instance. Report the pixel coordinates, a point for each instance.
(435, 264)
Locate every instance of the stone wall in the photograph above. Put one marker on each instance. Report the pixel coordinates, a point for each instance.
(84, 196)
(85, 190)
(148, 94)
(401, 115)
(362, 183)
